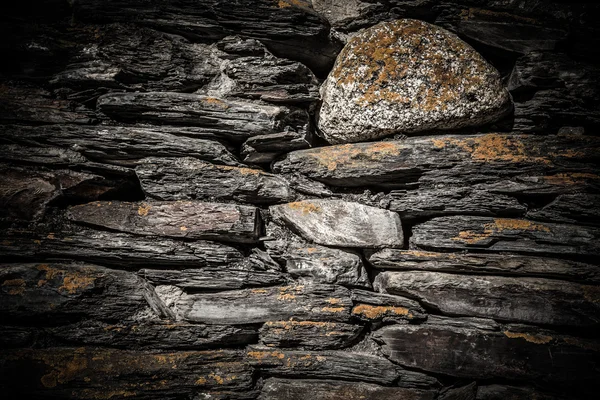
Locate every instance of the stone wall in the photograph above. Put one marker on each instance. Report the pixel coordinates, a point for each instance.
(190, 210)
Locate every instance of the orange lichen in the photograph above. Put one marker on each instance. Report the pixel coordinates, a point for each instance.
(183, 228)
(498, 226)
(201, 381)
(213, 101)
(292, 3)
(259, 291)
(333, 309)
(305, 207)
(376, 312)
(261, 355)
(15, 286)
(143, 209)
(567, 179)
(494, 147)
(333, 300)
(65, 372)
(290, 325)
(72, 281)
(537, 339)
(386, 53)
(354, 155)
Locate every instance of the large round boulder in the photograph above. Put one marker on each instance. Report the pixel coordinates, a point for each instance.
(408, 76)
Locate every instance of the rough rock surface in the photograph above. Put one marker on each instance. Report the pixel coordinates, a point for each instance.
(340, 223)
(408, 76)
(172, 227)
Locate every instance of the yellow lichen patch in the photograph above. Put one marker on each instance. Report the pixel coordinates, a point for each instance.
(385, 53)
(214, 102)
(288, 293)
(259, 291)
(183, 228)
(290, 325)
(311, 250)
(201, 381)
(470, 237)
(502, 224)
(494, 147)
(242, 171)
(499, 225)
(333, 300)
(292, 3)
(305, 207)
(65, 372)
(143, 209)
(50, 236)
(333, 309)
(217, 378)
(354, 155)
(532, 338)
(261, 355)
(376, 312)
(72, 283)
(14, 286)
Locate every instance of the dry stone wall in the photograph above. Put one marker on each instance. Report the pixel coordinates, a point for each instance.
(198, 201)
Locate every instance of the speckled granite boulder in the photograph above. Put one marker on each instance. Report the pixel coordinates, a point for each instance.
(408, 76)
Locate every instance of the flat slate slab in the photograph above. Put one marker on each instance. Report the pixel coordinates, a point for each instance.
(341, 223)
(514, 299)
(470, 350)
(182, 219)
(506, 234)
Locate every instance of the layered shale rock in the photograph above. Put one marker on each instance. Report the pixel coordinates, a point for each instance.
(188, 178)
(469, 349)
(507, 298)
(408, 76)
(173, 227)
(190, 219)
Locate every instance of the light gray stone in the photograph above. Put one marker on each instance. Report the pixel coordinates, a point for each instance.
(408, 76)
(341, 223)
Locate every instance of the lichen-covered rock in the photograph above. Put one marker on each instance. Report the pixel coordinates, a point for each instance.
(408, 76)
(341, 223)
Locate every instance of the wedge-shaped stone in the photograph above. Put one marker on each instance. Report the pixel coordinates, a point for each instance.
(310, 335)
(336, 365)
(250, 306)
(115, 248)
(381, 307)
(503, 234)
(341, 223)
(505, 264)
(506, 298)
(27, 192)
(266, 148)
(296, 389)
(87, 373)
(577, 208)
(326, 265)
(459, 160)
(187, 219)
(470, 351)
(122, 145)
(424, 78)
(215, 115)
(188, 178)
(50, 292)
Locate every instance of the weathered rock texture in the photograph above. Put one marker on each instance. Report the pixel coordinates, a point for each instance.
(408, 76)
(173, 227)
